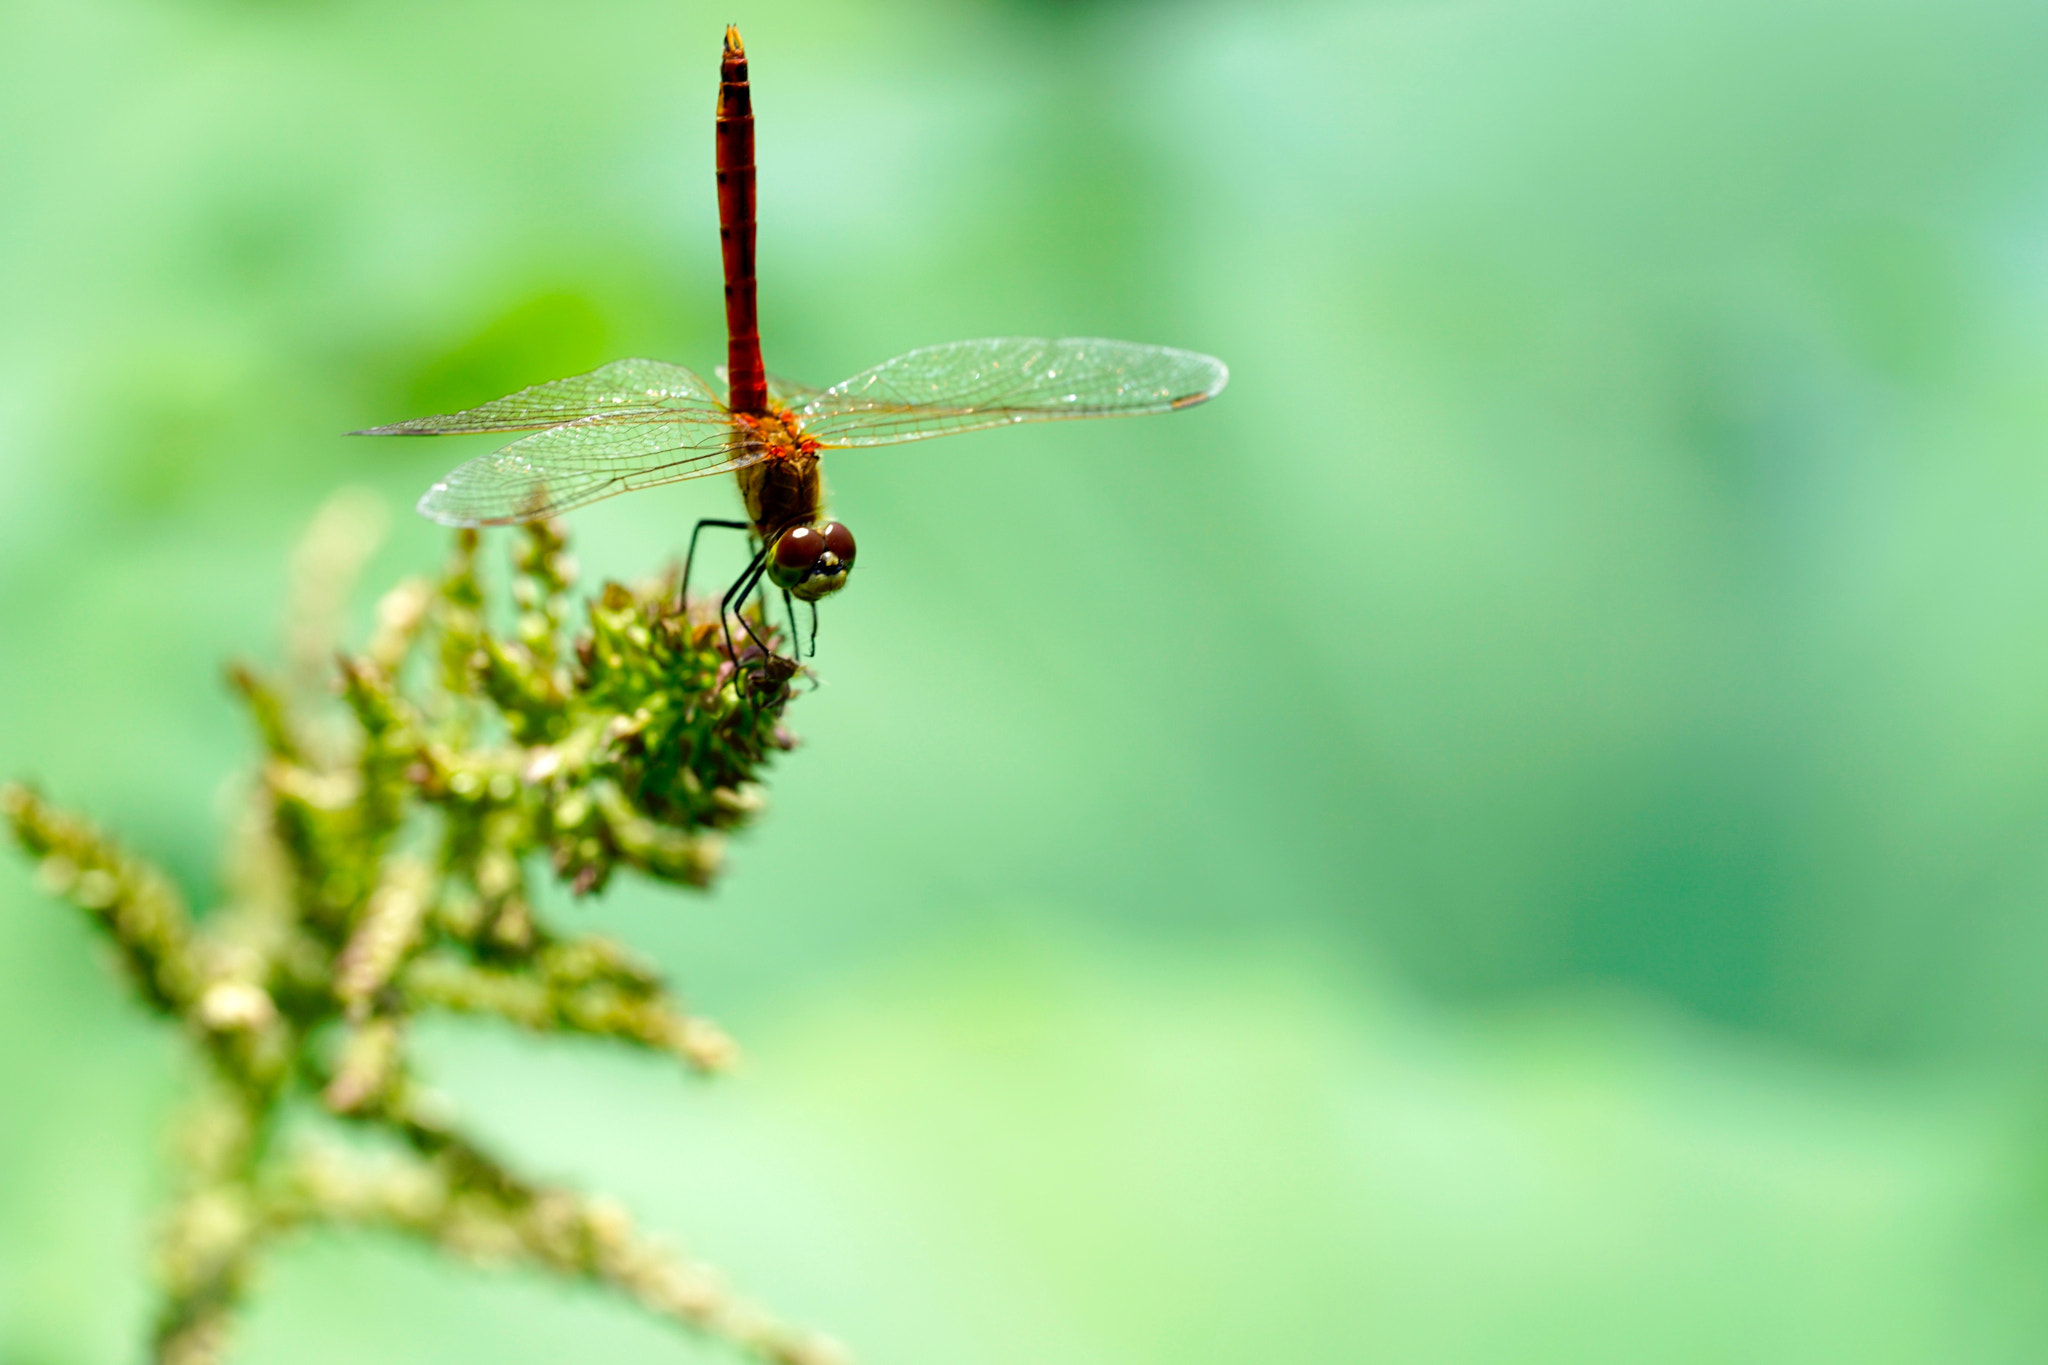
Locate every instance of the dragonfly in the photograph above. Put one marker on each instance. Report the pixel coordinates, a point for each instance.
(637, 424)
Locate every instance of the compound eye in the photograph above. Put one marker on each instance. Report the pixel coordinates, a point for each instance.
(795, 555)
(839, 541)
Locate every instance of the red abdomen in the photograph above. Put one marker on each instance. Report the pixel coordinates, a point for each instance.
(746, 378)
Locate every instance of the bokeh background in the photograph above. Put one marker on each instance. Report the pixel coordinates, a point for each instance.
(1517, 834)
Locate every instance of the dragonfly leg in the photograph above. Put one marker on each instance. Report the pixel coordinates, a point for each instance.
(683, 588)
(796, 638)
(814, 630)
(735, 600)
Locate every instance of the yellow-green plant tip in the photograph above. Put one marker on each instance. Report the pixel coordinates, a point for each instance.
(383, 873)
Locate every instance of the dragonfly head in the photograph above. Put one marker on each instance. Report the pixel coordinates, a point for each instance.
(811, 562)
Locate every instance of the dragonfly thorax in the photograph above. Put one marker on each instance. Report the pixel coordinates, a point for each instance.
(782, 486)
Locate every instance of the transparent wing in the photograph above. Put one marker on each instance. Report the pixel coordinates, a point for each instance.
(624, 387)
(965, 385)
(630, 424)
(567, 466)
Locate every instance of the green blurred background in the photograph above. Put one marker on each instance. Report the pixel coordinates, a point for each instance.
(1513, 835)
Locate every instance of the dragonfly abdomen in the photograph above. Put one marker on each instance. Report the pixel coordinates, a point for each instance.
(745, 375)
